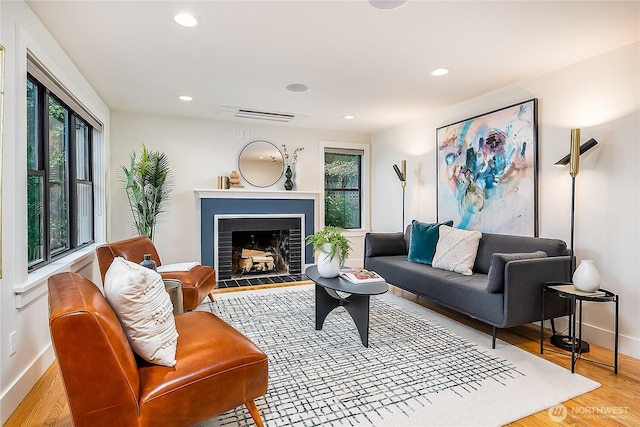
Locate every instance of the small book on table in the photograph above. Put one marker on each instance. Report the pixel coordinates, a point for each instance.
(360, 275)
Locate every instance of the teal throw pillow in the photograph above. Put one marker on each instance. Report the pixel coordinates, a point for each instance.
(424, 238)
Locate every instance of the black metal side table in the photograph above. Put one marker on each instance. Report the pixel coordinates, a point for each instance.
(569, 291)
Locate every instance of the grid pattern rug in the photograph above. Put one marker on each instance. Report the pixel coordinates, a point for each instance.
(420, 368)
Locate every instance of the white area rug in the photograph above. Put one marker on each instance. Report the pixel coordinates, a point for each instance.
(420, 369)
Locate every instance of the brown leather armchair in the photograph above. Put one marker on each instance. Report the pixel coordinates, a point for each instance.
(217, 367)
(197, 283)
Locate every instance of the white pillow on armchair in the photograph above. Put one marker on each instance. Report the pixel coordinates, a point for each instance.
(137, 295)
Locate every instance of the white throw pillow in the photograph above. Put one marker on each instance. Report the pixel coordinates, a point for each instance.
(138, 297)
(456, 249)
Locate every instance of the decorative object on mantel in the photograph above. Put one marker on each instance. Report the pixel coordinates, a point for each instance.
(288, 183)
(147, 183)
(333, 249)
(586, 277)
(289, 161)
(234, 180)
(223, 182)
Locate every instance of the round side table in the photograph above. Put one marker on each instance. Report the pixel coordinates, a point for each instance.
(569, 291)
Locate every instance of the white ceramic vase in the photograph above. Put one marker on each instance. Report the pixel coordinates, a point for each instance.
(586, 277)
(328, 267)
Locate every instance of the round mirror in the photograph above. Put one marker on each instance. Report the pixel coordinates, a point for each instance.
(261, 163)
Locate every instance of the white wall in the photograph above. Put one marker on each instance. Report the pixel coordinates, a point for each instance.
(199, 150)
(601, 96)
(19, 30)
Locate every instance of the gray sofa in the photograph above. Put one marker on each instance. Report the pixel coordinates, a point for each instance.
(517, 303)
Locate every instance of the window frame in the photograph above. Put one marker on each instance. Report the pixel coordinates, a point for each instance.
(365, 199)
(42, 146)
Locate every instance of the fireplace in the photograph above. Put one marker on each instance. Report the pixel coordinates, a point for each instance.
(248, 204)
(257, 249)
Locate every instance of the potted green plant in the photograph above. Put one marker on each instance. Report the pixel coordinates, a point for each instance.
(333, 250)
(147, 183)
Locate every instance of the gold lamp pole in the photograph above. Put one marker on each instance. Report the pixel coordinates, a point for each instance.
(574, 168)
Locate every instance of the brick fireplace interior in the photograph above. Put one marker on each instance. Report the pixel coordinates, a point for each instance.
(258, 249)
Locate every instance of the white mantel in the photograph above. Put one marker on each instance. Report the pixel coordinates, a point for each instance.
(205, 193)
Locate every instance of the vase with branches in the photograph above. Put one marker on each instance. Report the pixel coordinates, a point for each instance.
(147, 182)
(289, 161)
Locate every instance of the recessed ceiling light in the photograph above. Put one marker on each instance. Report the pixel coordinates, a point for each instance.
(439, 72)
(185, 19)
(387, 4)
(349, 117)
(297, 87)
(185, 98)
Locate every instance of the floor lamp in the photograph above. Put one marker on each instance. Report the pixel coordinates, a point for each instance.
(402, 176)
(573, 160)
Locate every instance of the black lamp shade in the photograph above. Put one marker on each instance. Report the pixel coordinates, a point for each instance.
(398, 172)
(583, 149)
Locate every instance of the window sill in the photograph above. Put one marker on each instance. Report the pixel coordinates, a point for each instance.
(356, 232)
(36, 284)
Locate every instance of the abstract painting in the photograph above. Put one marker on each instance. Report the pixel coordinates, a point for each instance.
(487, 171)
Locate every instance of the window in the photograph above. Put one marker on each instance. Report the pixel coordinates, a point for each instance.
(343, 187)
(59, 176)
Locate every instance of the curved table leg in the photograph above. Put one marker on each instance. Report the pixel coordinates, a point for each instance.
(358, 308)
(356, 305)
(324, 305)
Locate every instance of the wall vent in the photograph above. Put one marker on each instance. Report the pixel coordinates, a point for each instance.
(246, 113)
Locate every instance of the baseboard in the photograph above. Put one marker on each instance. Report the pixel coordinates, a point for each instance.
(17, 391)
(627, 345)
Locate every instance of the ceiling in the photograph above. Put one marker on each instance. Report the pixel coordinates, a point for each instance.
(357, 60)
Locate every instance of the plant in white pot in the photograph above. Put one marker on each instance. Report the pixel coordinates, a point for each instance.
(332, 248)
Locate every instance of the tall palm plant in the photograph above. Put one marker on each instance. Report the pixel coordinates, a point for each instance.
(147, 183)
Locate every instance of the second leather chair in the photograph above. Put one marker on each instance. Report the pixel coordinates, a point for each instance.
(197, 283)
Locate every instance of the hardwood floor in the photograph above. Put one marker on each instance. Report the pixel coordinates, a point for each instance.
(612, 404)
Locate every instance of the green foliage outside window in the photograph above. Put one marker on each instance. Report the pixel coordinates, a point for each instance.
(342, 190)
(35, 216)
(32, 128)
(35, 182)
(58, 176)
(335, 211)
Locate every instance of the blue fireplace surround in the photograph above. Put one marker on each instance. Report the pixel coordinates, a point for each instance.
(232, 206)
